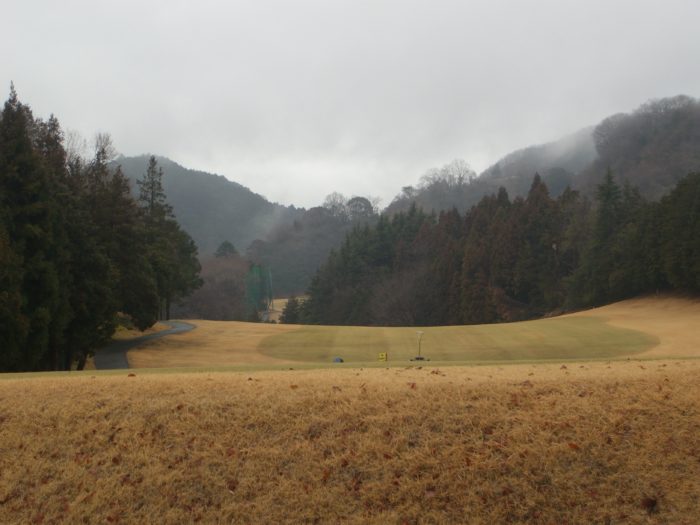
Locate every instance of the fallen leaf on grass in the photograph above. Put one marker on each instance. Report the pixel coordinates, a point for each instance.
(649, 504)
(326, 475)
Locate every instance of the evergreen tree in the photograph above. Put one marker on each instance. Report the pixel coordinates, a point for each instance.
(75, 247)
(13, 322)
(680, 228)
(291, 311)
(171, 251)
(592, 280)
(29, 224)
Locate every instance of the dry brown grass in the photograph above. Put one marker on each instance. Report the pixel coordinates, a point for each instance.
(212, 343)
(124, 333)
(588, 443)
(675, 321)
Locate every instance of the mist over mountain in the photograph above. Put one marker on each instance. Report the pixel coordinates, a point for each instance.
(294, 252)
(211, 208)
(652, 148)
(557, 163)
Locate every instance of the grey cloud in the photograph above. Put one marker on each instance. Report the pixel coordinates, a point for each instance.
(299, 99)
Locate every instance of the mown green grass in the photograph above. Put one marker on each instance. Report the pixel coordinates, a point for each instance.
(311, 347)
(546, 339)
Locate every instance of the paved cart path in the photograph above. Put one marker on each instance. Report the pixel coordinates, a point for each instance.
(114, 355)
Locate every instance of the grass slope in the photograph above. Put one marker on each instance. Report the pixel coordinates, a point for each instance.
(537, 443)
(573, 338)
(654, 327)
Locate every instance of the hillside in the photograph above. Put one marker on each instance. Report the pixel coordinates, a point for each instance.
(557, 162)
(293, 252)
(212, 208)
(653, 148)
(649, 327)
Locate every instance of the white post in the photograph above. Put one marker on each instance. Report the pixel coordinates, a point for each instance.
(420, 336)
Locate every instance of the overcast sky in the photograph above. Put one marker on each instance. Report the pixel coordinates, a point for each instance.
(296, 99)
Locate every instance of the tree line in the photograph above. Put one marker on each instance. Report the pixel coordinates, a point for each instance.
(293, 252)
(506, 260)
(76, 248)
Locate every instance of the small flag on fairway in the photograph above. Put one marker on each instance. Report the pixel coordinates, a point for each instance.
(382, 356)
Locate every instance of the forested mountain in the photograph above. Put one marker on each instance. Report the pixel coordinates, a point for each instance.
(289, 242)
(652, 148)
(557, 163)
(509, 259)
(455, 185)
(211, 208)
(294, 252)
(77, 246)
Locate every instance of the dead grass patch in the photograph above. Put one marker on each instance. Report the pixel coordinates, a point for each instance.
(211, 343)
(575, 443)
(652, 327)
(123, 334)
(675, 321)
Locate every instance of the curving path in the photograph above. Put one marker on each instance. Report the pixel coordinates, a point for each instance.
(114, 355)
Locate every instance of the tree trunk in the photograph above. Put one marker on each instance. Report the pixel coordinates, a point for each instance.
(53, 357)
(68, 359)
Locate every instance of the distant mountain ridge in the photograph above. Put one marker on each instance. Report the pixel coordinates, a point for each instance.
(557, 162)
(212, 208)
(652, 148)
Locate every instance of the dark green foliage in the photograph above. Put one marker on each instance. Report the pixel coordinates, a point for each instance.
(171, 251)
(294, 253)
(74, 248)
(29, 223)
(14, 322)
(508, 260)
(292, 311)
(352, 285)
(621, 258)
(680, 235)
